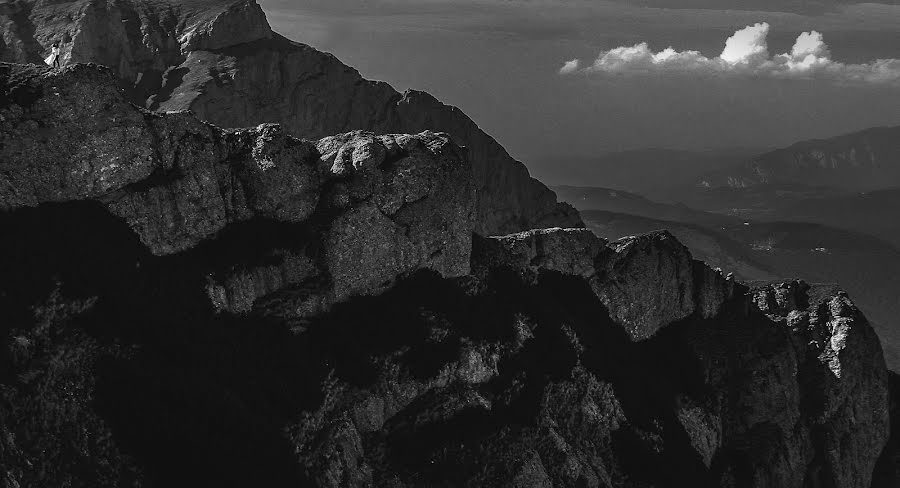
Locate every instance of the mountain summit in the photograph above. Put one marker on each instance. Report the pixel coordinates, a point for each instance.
(221, 60)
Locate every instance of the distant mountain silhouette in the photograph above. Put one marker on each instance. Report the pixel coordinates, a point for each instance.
(619, 201)
(653, 173)
(862, 161)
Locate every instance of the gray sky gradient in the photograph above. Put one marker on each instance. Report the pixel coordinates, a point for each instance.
(498, 60)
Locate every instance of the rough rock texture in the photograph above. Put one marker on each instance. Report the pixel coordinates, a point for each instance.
(382, 206)
(189, 306)
(220, 59)
(887, 471)
(568, 251)
(839, 390)
(140, 40)
(646, 282)
(490, 380)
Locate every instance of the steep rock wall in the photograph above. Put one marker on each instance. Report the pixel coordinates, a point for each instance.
(220, 59)
(381, 206)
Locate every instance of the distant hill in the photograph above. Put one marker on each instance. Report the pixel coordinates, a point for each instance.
(649, 172)
(862, 161)
(618, 201)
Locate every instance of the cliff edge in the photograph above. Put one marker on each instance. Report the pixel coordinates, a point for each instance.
(220, 59)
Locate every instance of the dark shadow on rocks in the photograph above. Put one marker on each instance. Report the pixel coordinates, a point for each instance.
(648, 377)
(168, 82)
(887, 470)
(474, 434)
(197, 397)
(80, 245)
(201, 398)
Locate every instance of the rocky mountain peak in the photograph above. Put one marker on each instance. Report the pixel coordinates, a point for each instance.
(238, 22)
(132, 37)
(381, 205)
(221, 60)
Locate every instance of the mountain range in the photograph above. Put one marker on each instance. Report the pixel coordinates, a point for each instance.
(857, 162)
(228, 260)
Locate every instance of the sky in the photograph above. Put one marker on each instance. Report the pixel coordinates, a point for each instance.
(679, 74)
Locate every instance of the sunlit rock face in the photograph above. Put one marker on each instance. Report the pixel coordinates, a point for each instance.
(140, 40)
(220, 59)
(646, 282)
(380, 207)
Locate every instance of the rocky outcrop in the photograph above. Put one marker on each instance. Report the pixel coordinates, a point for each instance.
(140, 40)
(646, 282)
(382, 206)
(795, 415)
(313, 94)
(841, 400)
(566, 251)
(220, 59)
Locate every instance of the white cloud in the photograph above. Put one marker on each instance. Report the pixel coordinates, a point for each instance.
(570, 67)
(747, 46)
(810, 43)
(746, 54)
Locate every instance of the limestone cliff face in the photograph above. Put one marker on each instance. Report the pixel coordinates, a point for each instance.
(778, 408)
(313, 94)
(137, 39)
(382, 206)
(220, 59)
